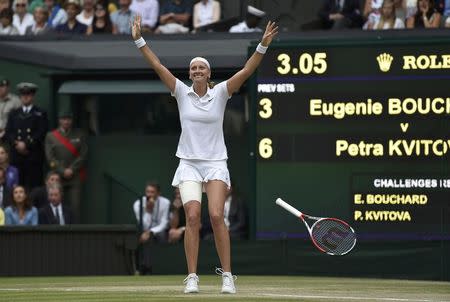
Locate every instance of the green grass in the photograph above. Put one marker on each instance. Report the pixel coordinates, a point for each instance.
(250, 288)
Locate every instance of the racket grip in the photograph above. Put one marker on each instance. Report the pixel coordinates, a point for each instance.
(288, 207)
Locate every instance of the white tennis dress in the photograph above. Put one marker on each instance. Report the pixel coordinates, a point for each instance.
(201, 147)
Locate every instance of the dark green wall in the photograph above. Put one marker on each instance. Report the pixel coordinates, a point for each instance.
(19, 72)
(120, 165)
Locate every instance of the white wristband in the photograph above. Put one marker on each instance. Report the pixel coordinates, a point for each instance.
(140, 42)
(261, 49)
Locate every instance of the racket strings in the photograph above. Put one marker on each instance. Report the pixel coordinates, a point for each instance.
(333, 236)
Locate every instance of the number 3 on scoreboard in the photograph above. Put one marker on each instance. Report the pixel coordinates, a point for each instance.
(266, 105)
(265, 148)
(306, 63)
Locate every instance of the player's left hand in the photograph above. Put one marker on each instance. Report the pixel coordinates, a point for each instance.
(269, 34)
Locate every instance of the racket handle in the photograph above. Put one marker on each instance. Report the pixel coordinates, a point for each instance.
(288, 207)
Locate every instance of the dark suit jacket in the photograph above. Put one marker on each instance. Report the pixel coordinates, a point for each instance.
(238, 219)
(6, 196)
(39, 197)
(46, 215)
(351, 10)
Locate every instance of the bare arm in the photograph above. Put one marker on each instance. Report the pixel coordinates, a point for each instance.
(182, 18)
(236, 81)
(164, 74)
(410, 22)
(175, 219)
(216, 11)
(434, 23)
(163, 19)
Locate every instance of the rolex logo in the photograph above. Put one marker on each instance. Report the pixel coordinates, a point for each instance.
(384, 61)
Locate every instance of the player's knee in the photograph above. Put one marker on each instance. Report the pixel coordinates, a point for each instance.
(193, 219)
(216, 219)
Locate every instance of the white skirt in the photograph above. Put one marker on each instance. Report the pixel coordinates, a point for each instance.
(201, 171)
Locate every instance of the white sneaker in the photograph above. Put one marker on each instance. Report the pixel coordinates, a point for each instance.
(191, 282)
(227, 281)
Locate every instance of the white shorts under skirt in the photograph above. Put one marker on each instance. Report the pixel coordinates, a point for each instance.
(202, 171)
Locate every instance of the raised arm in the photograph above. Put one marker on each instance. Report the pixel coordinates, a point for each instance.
(164, 74)
(236, 81)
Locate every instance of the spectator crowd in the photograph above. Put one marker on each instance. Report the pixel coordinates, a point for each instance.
(26, 148)
(86, 17)
(383, 14)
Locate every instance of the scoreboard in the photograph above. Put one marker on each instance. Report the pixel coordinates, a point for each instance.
(355, 129)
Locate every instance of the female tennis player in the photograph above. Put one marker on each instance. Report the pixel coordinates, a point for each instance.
(201, 148)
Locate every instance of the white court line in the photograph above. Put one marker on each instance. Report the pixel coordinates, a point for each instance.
(351, 298)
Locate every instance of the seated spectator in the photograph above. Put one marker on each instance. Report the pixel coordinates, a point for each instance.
(174, 17)
(101, 22)
(21, 212)
(57, 15)
(6, 23)
(11, 172)
(206, 12)
(122, 18)
(8, 102)
(340, 14)
(55, 212)
(22, 19)
(177, 219)
(426, 16)
(446, 13)
(72, 26)
(155, 222)
(40, 26)
(388, 19)
(2, 217)
(235, 215)
(110, 5)
(5, 192)
(4, 4)
(251, 22)
(39, 195)
(149, 10)
(155, 210)
(86, 16)
(372, 11)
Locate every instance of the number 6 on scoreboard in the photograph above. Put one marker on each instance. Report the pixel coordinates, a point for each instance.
(330, 235)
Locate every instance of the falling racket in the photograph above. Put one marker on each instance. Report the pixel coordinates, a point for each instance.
(330, 235)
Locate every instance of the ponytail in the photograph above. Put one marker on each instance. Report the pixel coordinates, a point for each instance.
(211, 84)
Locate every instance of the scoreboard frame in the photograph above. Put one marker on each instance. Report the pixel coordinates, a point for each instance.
(324, 61)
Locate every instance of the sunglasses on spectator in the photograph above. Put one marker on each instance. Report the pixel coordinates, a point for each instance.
(20, 5)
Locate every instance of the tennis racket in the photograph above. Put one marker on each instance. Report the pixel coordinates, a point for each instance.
(330, 235)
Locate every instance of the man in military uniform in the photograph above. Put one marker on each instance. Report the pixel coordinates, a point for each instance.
(25, 133)
(8, 102)
(66, 151)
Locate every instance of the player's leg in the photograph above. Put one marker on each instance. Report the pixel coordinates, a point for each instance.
(217, 191)
(191, 192)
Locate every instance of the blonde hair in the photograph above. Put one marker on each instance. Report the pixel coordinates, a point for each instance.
(211, 84)
(391, 20)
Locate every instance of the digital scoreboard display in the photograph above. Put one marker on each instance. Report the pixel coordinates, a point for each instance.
(357, 130)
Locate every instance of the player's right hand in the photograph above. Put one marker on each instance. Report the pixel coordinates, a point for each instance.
(136, 27)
